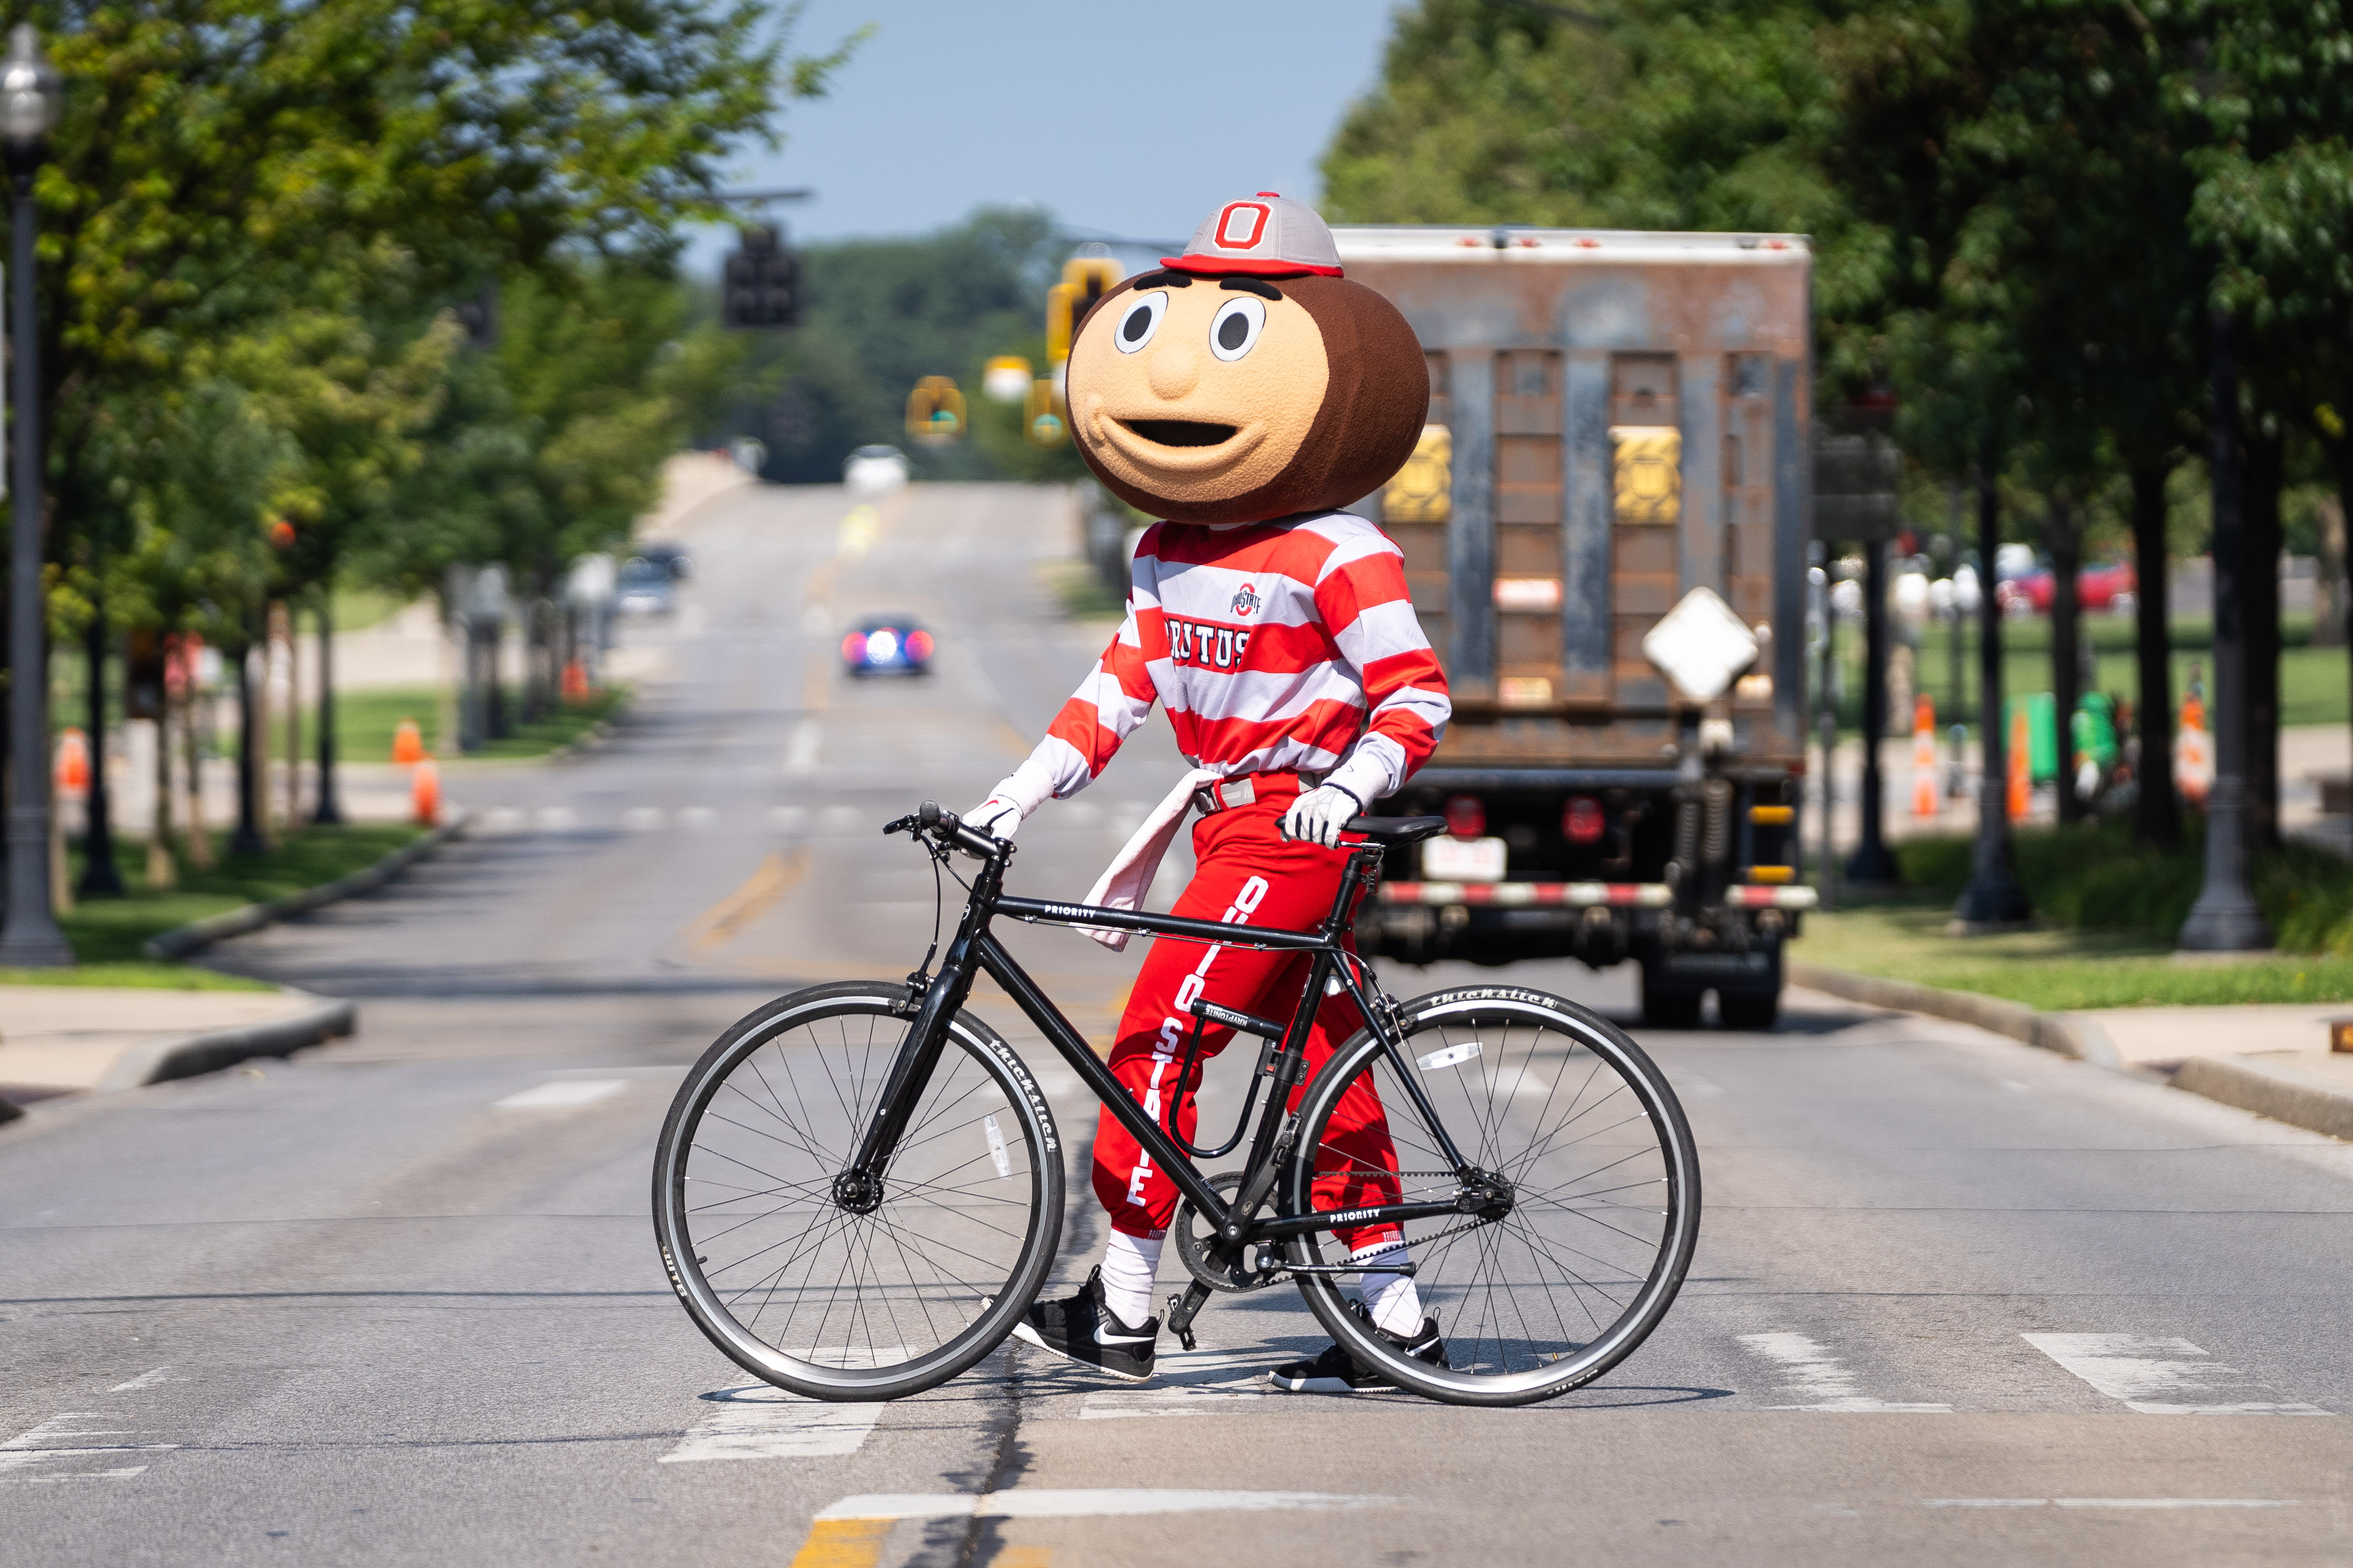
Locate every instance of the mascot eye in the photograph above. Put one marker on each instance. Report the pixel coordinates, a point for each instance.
(1143, 320)
(1234, 330)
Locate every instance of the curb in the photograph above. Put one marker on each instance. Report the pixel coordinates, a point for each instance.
(2276, 1090)
(2068, 1035)
(196, 935)
(330, 1017)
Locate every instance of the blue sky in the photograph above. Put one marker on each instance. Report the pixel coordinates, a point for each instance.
(1131, 118)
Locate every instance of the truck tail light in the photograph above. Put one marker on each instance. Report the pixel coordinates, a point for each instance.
(1582, 822)
(853, 647)
(919, 644)
(1466, 816)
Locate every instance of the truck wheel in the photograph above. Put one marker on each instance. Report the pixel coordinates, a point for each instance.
(1748, 1009)
(1669, 1006)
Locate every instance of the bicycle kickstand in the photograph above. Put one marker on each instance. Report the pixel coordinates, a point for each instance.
(1183, 1310)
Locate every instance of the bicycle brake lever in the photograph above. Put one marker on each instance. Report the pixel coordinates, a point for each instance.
(904, 824)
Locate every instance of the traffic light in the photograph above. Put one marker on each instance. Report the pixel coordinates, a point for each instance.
(1044, 420)
(763, 282)
(1085, 279)
(936, 411)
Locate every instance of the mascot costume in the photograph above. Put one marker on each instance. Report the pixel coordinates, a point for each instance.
(1242, 394)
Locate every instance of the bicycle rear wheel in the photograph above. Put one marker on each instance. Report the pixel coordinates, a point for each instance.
(864, 1300)
(1563, 1112)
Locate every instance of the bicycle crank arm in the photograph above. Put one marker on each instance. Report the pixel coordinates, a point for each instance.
(1184, 1308)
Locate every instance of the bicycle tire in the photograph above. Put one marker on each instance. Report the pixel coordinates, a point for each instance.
(1514, 1319)
(868, 1327)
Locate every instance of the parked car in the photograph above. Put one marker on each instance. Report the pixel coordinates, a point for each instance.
(875, 470)
(888, 644)
(643, 588)
(671, 558)
(2110, 587)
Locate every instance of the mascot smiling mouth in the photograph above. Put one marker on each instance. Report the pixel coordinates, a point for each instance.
(1180, 432)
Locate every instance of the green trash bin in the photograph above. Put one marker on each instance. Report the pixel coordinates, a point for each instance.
(2041, 732)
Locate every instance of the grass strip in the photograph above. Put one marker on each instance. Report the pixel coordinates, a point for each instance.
(106, 934)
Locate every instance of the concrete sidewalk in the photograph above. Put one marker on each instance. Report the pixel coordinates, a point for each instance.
(68, 1039)
(2272, 1060)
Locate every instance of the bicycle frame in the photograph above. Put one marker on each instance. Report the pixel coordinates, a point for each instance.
(975, 949)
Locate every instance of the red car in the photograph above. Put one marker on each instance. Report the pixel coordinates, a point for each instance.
(2096, 588)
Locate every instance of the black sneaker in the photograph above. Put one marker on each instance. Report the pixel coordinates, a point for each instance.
(1338, 1372)
(1085, 1330)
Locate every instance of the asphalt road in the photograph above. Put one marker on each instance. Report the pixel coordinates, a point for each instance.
(397, 1301)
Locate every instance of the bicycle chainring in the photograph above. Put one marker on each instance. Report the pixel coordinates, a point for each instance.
(1194, 1237)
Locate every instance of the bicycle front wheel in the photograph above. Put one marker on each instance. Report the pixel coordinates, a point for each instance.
(855, 1300)
(1592, 1209)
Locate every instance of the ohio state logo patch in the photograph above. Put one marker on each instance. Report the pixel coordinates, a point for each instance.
(1246, 601)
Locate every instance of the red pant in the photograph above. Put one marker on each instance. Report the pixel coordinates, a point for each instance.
(1248, 875)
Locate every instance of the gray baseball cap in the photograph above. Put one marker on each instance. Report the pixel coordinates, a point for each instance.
(1268, 236)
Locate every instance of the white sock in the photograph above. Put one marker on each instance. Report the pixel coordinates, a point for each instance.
(1391, 1299)
(1129, 1265)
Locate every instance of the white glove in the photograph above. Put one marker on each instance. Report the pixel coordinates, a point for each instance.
(1315, 818)
(1017, 795)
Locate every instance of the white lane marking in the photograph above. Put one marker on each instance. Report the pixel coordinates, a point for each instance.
(61, 1437)
(642, 819)
(561, 1094)
(788, 818)
(698, 819)
(759, 1422)
(556, 818)
(802, 746)
(2108, 1502)
(844, 819)
(1046, 1502)
(1082, 813)
(503, 819)
(144, 1380)
(1823, 1381)
(1190, 1383)
(2159, 1376)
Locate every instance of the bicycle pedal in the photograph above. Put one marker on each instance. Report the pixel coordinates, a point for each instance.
(1181, 1326)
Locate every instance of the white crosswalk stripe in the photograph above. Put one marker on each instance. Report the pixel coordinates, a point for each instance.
(2158, 1376)
(1820, 1380)
(759, 1421)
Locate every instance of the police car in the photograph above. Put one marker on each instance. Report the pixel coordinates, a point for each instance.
(888, 644)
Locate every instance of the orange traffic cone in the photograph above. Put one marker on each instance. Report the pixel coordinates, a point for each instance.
(407, 745)
(575, 682)
(425, 793)
(2193, 756)
(2021, 765)
(73, 765)
(1924, 801)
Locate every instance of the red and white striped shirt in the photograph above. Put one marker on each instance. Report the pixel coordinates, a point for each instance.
(1280, 647)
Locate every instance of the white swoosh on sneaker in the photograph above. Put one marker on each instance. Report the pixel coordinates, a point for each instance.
(1103, 1339)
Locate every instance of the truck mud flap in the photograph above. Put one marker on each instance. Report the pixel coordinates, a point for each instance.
(1740, 970)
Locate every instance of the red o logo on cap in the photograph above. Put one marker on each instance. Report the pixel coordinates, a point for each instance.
(1242, 225)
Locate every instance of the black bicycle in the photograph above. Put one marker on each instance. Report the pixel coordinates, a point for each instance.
(859, 1189)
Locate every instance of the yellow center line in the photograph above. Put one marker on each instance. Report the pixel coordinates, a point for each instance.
(843, 1543)
(719, 924)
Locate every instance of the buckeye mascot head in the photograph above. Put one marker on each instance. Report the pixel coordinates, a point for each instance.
(1248, 380)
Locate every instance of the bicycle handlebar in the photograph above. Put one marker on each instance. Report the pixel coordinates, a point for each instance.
(935, 819)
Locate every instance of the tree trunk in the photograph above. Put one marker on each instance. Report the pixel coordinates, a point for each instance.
(2339, 449)
(199, 836)
(2062, 536)
(101, 877)
(2157, 814)
(162, 872)
(2267, 470)
(2328, 599)
(251, 737)
(329, 808)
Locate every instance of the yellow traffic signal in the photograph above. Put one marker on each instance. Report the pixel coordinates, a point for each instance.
(1085, 279)
(1004, 379)
(935, 412)
(1043, 418)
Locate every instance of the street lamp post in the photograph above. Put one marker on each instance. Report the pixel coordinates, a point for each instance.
(30, 98)
(2226, 918)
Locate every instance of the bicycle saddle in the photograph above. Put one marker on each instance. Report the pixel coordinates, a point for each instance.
(1395, 829)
